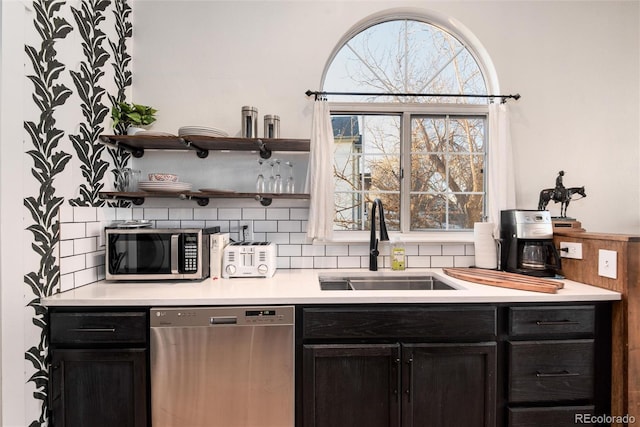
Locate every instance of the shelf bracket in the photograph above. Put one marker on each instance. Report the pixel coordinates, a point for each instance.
(202, 201)
(191, 146)
(136, 200)
(264, 201)
(265, 153)
(114, 143)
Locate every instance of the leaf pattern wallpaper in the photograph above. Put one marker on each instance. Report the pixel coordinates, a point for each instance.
(87, 83)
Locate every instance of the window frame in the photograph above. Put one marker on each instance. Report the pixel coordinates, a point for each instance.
(406, 111)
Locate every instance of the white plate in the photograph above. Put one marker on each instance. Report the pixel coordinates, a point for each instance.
(201, 131)
(153, 133)
(164, 186)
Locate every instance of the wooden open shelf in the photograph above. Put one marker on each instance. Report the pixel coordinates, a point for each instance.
(137, 144)
(201, 197)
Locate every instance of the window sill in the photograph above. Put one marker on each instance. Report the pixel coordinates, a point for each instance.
(345, 237)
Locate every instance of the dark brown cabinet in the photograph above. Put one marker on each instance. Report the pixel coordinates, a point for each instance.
(98, 371)
(415, 368)
(556, 373)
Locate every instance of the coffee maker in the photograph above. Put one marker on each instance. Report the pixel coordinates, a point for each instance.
(527, 243)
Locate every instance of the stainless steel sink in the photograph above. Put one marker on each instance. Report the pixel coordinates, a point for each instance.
(427, 282)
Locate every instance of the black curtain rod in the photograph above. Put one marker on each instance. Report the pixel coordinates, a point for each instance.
(318, 94)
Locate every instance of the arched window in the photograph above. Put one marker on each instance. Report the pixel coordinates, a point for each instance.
(423, 156)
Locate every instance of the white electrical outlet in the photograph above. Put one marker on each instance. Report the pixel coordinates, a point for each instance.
(571, 250)
(245, 231)
(607, 264)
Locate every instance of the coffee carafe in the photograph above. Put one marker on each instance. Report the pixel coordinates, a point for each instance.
(527, 243)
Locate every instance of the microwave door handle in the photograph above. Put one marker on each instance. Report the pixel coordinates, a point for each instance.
(175, 240)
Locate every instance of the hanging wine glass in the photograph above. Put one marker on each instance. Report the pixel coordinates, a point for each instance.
(271, 184)
(278, 179)
(260, 183)
(290, 188)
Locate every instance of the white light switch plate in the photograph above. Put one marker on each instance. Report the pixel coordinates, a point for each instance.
(607, 261)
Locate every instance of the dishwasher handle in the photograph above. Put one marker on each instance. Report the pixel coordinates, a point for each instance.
(223, 320)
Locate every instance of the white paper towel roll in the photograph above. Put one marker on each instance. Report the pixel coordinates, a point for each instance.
(485, 245)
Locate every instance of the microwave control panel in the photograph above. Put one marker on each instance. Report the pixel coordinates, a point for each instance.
(190, 254)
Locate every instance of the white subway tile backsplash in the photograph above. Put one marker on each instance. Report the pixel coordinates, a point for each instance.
(230, 213)
(168, 224)
(279, 238)
(300, 238)
(453, 250)
(180, 213)
(278, 213)
(82, 257)
(72, 264)
(283, 262)
(358, 250)
(418, 261)
(94, 229)
(302, 262)
(335, 250)
(431, 249)
(83, 246)
(441, 261)
(124, 214)
(94, 259)
(253, 213)
(192, 224)
(463, 261)
(65, 213)
(205, 213)
(290, 250)
(299, 213)
(66, 248)
(348, 262)
(84, 277)
(289, 226)
(66, 282)
(156, 213)
(313, 250)
(72, 230)
(265, 226)
(325, 262)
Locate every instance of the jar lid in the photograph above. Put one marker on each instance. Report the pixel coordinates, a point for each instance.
(249, 108)
(271, 117)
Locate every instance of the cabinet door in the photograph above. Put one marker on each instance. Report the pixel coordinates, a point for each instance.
(351, 385)
(98, 388)
(449, 385)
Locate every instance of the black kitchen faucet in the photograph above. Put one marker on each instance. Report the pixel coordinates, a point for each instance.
(373, 242)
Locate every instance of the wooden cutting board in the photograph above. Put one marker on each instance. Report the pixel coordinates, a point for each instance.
(504, 279)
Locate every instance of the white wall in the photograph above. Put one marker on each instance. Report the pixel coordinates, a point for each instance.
(576, 65)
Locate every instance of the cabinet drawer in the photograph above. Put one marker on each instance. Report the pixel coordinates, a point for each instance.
(551, 321)
(400, 322)
(98, 328)
(550, 370)
(554, 416)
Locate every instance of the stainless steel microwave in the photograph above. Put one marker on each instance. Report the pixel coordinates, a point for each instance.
(157, 253)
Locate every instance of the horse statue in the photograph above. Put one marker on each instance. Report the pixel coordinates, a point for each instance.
(562, 195)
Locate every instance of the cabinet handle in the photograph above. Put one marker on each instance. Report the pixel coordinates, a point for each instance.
(410, 389)
(556, 374)
(398, 387)
(93, 330)
(556, 322)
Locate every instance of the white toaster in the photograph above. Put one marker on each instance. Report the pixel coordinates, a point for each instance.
(249, 259)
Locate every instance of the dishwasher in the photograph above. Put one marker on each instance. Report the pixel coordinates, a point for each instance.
(222, 366)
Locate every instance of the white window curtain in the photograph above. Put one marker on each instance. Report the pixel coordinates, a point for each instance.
(319, 183)
(502, 193)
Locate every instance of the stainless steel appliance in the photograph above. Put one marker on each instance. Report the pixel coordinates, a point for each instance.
(249, 259)
(527, 247)
(222, 366)
(157, 253)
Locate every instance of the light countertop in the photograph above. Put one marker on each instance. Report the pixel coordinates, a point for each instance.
(301, 287)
